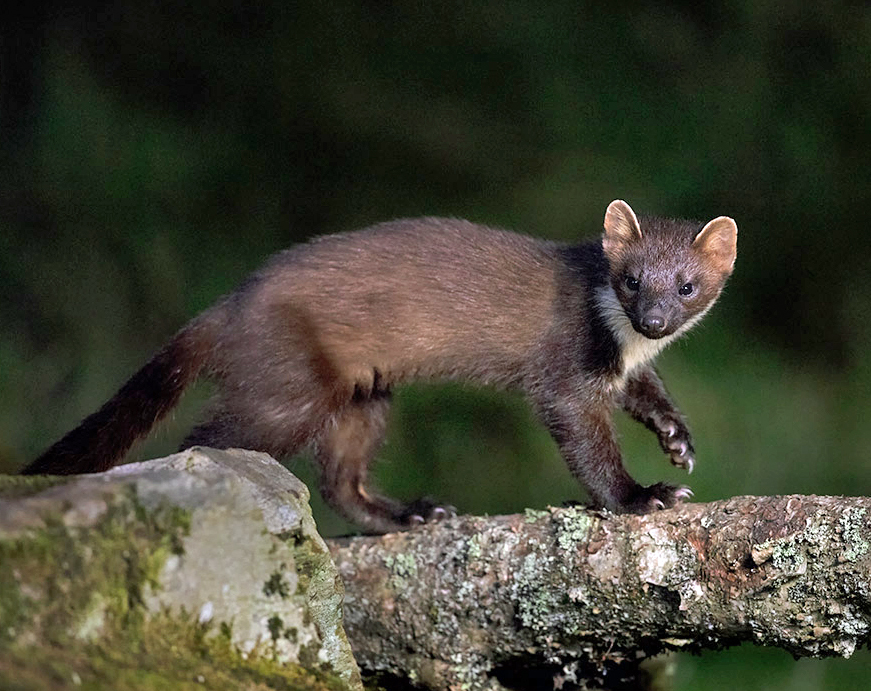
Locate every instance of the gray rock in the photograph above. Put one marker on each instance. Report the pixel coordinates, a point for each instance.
(214, 547)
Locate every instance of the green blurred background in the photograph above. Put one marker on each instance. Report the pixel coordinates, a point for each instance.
(153, 154)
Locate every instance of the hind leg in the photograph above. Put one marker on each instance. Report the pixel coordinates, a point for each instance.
(344, 451)
(219, 432)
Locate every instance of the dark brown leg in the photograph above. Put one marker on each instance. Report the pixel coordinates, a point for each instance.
(219, 432)
(585, 434)
(344, 451)
(646, 400)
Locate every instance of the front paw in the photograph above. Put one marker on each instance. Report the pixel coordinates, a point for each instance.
(675, 440)
(655, 498)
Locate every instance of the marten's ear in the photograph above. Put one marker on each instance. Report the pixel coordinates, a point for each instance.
(621, 227)
(718, 241)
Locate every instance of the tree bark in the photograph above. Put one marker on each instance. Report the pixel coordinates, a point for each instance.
(577, 598)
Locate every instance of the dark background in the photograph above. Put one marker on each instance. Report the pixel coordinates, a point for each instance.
(155, 153)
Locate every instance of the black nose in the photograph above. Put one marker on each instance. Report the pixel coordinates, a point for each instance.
(653, 324)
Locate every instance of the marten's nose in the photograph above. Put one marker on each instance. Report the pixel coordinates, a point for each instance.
(653, 325)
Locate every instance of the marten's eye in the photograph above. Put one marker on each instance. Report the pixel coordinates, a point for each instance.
(632, 283)
(686, 289)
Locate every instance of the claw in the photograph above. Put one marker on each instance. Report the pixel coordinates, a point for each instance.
(657, 504)
(682, 461)
(415, 519)
(683, 493)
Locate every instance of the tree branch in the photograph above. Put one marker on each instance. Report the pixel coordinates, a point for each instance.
(576, 594)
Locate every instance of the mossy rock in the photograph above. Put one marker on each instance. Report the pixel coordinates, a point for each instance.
(200, 570)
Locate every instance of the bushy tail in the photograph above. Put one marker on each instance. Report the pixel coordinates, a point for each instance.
(104, 437)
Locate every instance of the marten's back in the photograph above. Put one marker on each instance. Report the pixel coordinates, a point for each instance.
(425, 297)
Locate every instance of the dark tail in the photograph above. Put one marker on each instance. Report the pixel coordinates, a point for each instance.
(103, 438)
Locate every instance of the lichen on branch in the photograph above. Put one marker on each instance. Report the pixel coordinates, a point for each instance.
(574, 593)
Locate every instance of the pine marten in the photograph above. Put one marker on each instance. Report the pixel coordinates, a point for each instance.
(307, 351)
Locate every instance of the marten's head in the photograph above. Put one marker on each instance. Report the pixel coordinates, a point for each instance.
(666, 273)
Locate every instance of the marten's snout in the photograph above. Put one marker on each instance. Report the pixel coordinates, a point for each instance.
(652, 324)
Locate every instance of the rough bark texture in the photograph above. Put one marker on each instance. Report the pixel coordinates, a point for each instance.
(576, 598)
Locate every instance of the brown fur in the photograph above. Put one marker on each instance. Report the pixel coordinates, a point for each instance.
(307, 351)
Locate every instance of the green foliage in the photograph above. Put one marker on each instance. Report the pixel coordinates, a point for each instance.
(151, 160)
